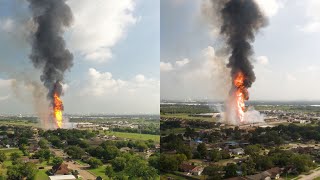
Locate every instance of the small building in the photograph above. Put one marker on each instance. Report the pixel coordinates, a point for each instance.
(125, 149)
(61, 169)
(236, 178)
(191, 169)
(62, 177)
(275, 172)
(237, 151)
(197, 171)
(261, 176)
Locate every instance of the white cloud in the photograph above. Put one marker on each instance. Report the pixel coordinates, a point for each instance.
(313, 14)
(311, 27)
(270, 7)
(182, 62)
(103, 84)
(206, 77)
(99, 26)
(263, 60)
(5, 88)
(290, 77)
(5, 82)
(166, 66)
(101, 90)
(100, 83)
(7, 24)
(140, 78)
(2, 98)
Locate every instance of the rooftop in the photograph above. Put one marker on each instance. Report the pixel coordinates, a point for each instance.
(62, 177)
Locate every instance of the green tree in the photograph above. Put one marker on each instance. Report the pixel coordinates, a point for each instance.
(3, 157)
(57, 161)
(215, 155)
(110, 152)
(14, 156)
(168, 163)
(21, 171)
(231, 170)
(154, 161)
(24, 150)
(202, 150)
(94, 162)
(186, 150)
(181, 158)
(249, 167)
(75, 152)
(191, 133)
(13, 173)
(43, 143)
(252, 150)
(138, 168)
(119, 163)
(142, 146)
(213, 172)
(55, 141)
(263, 162)
(303, 163)
(109, 171)
(43, 153)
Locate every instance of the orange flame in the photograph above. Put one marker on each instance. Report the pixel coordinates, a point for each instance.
(241, 94)
(57, 109)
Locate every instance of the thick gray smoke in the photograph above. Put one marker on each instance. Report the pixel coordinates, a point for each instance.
(49, 52)
(241, 19)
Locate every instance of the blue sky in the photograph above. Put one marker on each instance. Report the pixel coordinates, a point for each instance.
(116, 47)
(286, 58)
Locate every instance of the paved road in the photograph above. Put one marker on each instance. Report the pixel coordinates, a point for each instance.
(86, 175)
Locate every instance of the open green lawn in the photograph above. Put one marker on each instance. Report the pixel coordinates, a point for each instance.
(167, 175)
(19, 123)
(135, 136)
(41, 175)
(11, 150)
(100, 171)
(81, 162)
(8, 153)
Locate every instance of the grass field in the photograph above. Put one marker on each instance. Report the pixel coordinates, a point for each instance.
(19, 123)
(11, 150)
(81, 162)
(135, 136)
(99, 172)
(41, 175)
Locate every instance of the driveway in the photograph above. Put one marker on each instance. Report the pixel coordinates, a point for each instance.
(86, 175)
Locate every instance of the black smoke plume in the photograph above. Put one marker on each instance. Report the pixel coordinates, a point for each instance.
(241, 20)
(49, 52)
